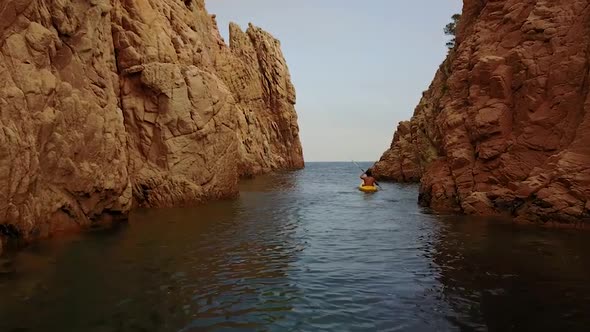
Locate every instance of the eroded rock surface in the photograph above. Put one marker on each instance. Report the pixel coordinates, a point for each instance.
(505, 126)
(106, 105)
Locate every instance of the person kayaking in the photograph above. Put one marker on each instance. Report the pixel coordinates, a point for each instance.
(368, 179)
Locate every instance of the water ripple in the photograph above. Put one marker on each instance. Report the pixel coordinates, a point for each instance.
(302, 251)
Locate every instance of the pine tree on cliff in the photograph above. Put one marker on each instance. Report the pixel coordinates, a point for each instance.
(450, 30)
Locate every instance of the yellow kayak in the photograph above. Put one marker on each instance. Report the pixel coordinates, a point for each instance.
(368, 189)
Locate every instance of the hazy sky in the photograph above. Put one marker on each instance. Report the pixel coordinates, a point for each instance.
(359, 67)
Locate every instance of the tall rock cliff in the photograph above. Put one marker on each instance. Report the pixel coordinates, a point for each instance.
(110, 104)
(505, 126)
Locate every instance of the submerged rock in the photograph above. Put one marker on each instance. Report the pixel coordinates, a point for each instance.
(505, 125)
(106, 105)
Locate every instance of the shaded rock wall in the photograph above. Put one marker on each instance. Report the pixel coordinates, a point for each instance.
(106, 105)
(504, 128)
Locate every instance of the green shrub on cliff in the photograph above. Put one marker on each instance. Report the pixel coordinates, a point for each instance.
(451, 28)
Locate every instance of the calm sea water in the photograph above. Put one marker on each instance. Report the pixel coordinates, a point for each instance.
(302, 251)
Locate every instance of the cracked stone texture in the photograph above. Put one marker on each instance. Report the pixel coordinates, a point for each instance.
(505, 126)
(106, 105)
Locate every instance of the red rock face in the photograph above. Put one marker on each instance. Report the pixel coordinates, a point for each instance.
(505, 126)
(106, 105)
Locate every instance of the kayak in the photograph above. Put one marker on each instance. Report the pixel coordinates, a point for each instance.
(368, 189)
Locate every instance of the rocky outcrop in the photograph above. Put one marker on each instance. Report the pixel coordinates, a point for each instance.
(106, 105)
(505, 127)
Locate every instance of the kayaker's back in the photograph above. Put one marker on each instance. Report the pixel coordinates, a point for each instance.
(368, 181)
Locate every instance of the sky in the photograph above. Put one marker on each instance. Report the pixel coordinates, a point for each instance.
(359, 67)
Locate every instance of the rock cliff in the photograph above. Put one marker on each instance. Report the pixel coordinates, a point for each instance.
(110, 104)
(505, 126)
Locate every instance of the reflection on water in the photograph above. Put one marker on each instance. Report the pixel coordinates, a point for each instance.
(302, 251)
(509, 277)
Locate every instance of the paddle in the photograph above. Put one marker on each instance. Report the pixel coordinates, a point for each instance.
(357, 165)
